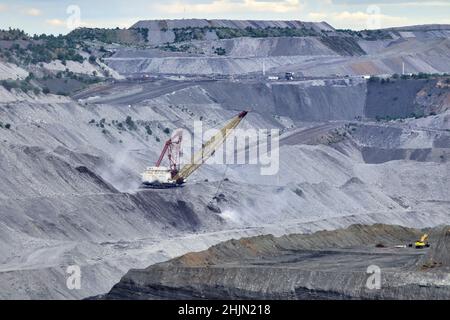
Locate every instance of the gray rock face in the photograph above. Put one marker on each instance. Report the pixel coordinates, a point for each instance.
(163, 31)
(324, 265)
(438, 257)
(325, 52)
(297, 101)
(266, 47)
(70, 166)
(69, 186)
(402, 97)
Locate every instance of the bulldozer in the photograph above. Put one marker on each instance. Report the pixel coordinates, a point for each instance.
(421, 243)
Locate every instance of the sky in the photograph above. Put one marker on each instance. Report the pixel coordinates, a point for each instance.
(61, 16)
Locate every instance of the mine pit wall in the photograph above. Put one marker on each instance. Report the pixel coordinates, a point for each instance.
(234, 269)
(404, 98)
(325, 100)
(280, 283)
(299, 101)
(377, 155)
(79, 216)
(96, 218)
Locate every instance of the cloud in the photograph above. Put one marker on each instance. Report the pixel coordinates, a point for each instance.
(359, 19)
(317, 16)
(34, 12)
(393, 2)
(55, 22)
(421, 3)
(108, 23)
(3, 7)
(229, 6)
(369, 20)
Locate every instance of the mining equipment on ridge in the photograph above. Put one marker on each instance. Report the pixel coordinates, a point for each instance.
(160, 177)
(421, 243)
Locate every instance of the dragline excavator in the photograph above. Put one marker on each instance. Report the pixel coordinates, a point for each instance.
(172, 176)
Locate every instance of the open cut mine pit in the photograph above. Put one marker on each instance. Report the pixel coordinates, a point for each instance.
(363, 164)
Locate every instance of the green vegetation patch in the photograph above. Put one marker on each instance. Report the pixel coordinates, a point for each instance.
(6, 126)
(229, 33)
(13, 34)
(174, 48)
(197, 33)
(343, 45)
(40, 48)
(22, 85)
(370, 35)
(122, 36)
(220, 51)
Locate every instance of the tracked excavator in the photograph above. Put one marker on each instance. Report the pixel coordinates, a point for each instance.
(421, 243)
(161, 177)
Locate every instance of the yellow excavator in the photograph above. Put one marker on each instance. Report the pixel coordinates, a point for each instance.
(422, 242)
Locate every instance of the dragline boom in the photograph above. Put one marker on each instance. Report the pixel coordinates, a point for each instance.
(209, 148)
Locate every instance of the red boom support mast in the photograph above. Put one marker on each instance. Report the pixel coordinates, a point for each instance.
(173, 150)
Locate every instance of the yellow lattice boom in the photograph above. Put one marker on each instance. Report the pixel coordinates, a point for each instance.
(209, 148)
